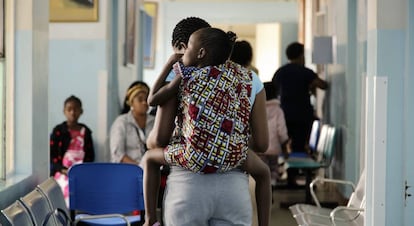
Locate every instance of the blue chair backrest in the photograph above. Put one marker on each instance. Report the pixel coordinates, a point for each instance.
(322, 141)
(329, 146)
(314, 135)
(105, 188)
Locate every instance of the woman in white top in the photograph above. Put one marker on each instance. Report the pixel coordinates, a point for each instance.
(129, 131)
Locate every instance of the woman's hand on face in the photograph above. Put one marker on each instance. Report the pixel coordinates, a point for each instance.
(174, 58)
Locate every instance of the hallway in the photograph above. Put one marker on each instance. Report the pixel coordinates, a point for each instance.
(282, 216)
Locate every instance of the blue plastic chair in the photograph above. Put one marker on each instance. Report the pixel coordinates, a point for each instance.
(313, 142)
(323, 160)
(105, 193)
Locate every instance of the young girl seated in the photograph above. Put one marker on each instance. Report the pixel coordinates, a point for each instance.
(217, 120)
(70, 143)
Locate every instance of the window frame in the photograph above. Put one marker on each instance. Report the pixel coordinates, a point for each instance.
(2, 95)
(7, 154)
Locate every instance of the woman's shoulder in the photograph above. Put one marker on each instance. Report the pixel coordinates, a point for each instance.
(120, 119)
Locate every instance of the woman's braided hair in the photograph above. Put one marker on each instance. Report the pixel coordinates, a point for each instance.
(185, 28)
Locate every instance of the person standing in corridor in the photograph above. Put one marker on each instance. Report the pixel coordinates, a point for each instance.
(295, 82)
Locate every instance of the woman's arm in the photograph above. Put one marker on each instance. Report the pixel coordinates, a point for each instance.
(259, 141)
(163, 125)
(161, 90)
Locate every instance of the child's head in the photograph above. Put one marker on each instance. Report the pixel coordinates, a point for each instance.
(136, 97)
(295, 51)
(183, 30)
(242, 53)
(72, 109)
(208, 47)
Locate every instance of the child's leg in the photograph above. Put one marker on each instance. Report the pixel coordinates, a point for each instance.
(261, 174)
(163, 125)
(151, 162)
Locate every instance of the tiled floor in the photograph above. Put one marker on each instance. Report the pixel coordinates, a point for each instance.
(282, 216)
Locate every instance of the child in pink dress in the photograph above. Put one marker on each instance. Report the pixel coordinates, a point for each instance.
(70, 143)
(278, 135)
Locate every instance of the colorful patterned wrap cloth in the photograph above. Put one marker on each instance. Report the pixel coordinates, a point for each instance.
(212, 125)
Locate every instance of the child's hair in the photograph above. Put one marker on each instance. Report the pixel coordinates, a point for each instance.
(294, 50)
(185, 28)
(242, 53)
(73, 98)
(271, 91)
(126, 107)
(218, 43)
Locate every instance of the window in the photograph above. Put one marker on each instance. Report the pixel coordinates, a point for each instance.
(2, 96)
(2, 128)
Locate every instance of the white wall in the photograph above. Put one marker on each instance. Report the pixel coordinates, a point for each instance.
(215, 13)
(79, 66)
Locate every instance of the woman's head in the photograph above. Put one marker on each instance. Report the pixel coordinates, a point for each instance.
(136, 98)
(208, 46)
(183, 30)
(72, 109)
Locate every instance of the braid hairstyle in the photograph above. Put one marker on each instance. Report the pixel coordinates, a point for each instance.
(218, 44)
(185, 28)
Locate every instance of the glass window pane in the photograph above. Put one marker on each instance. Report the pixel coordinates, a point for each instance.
(2, 125)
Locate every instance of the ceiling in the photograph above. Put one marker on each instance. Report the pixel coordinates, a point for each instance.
(241, 30)
(233, 0)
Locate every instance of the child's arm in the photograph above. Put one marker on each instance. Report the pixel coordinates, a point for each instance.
(163, 125)
(162, 91)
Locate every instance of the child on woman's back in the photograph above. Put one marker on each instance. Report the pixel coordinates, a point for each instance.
(221, 111)
(70, 143)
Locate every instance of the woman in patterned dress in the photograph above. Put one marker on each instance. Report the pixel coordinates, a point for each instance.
(219, 105)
